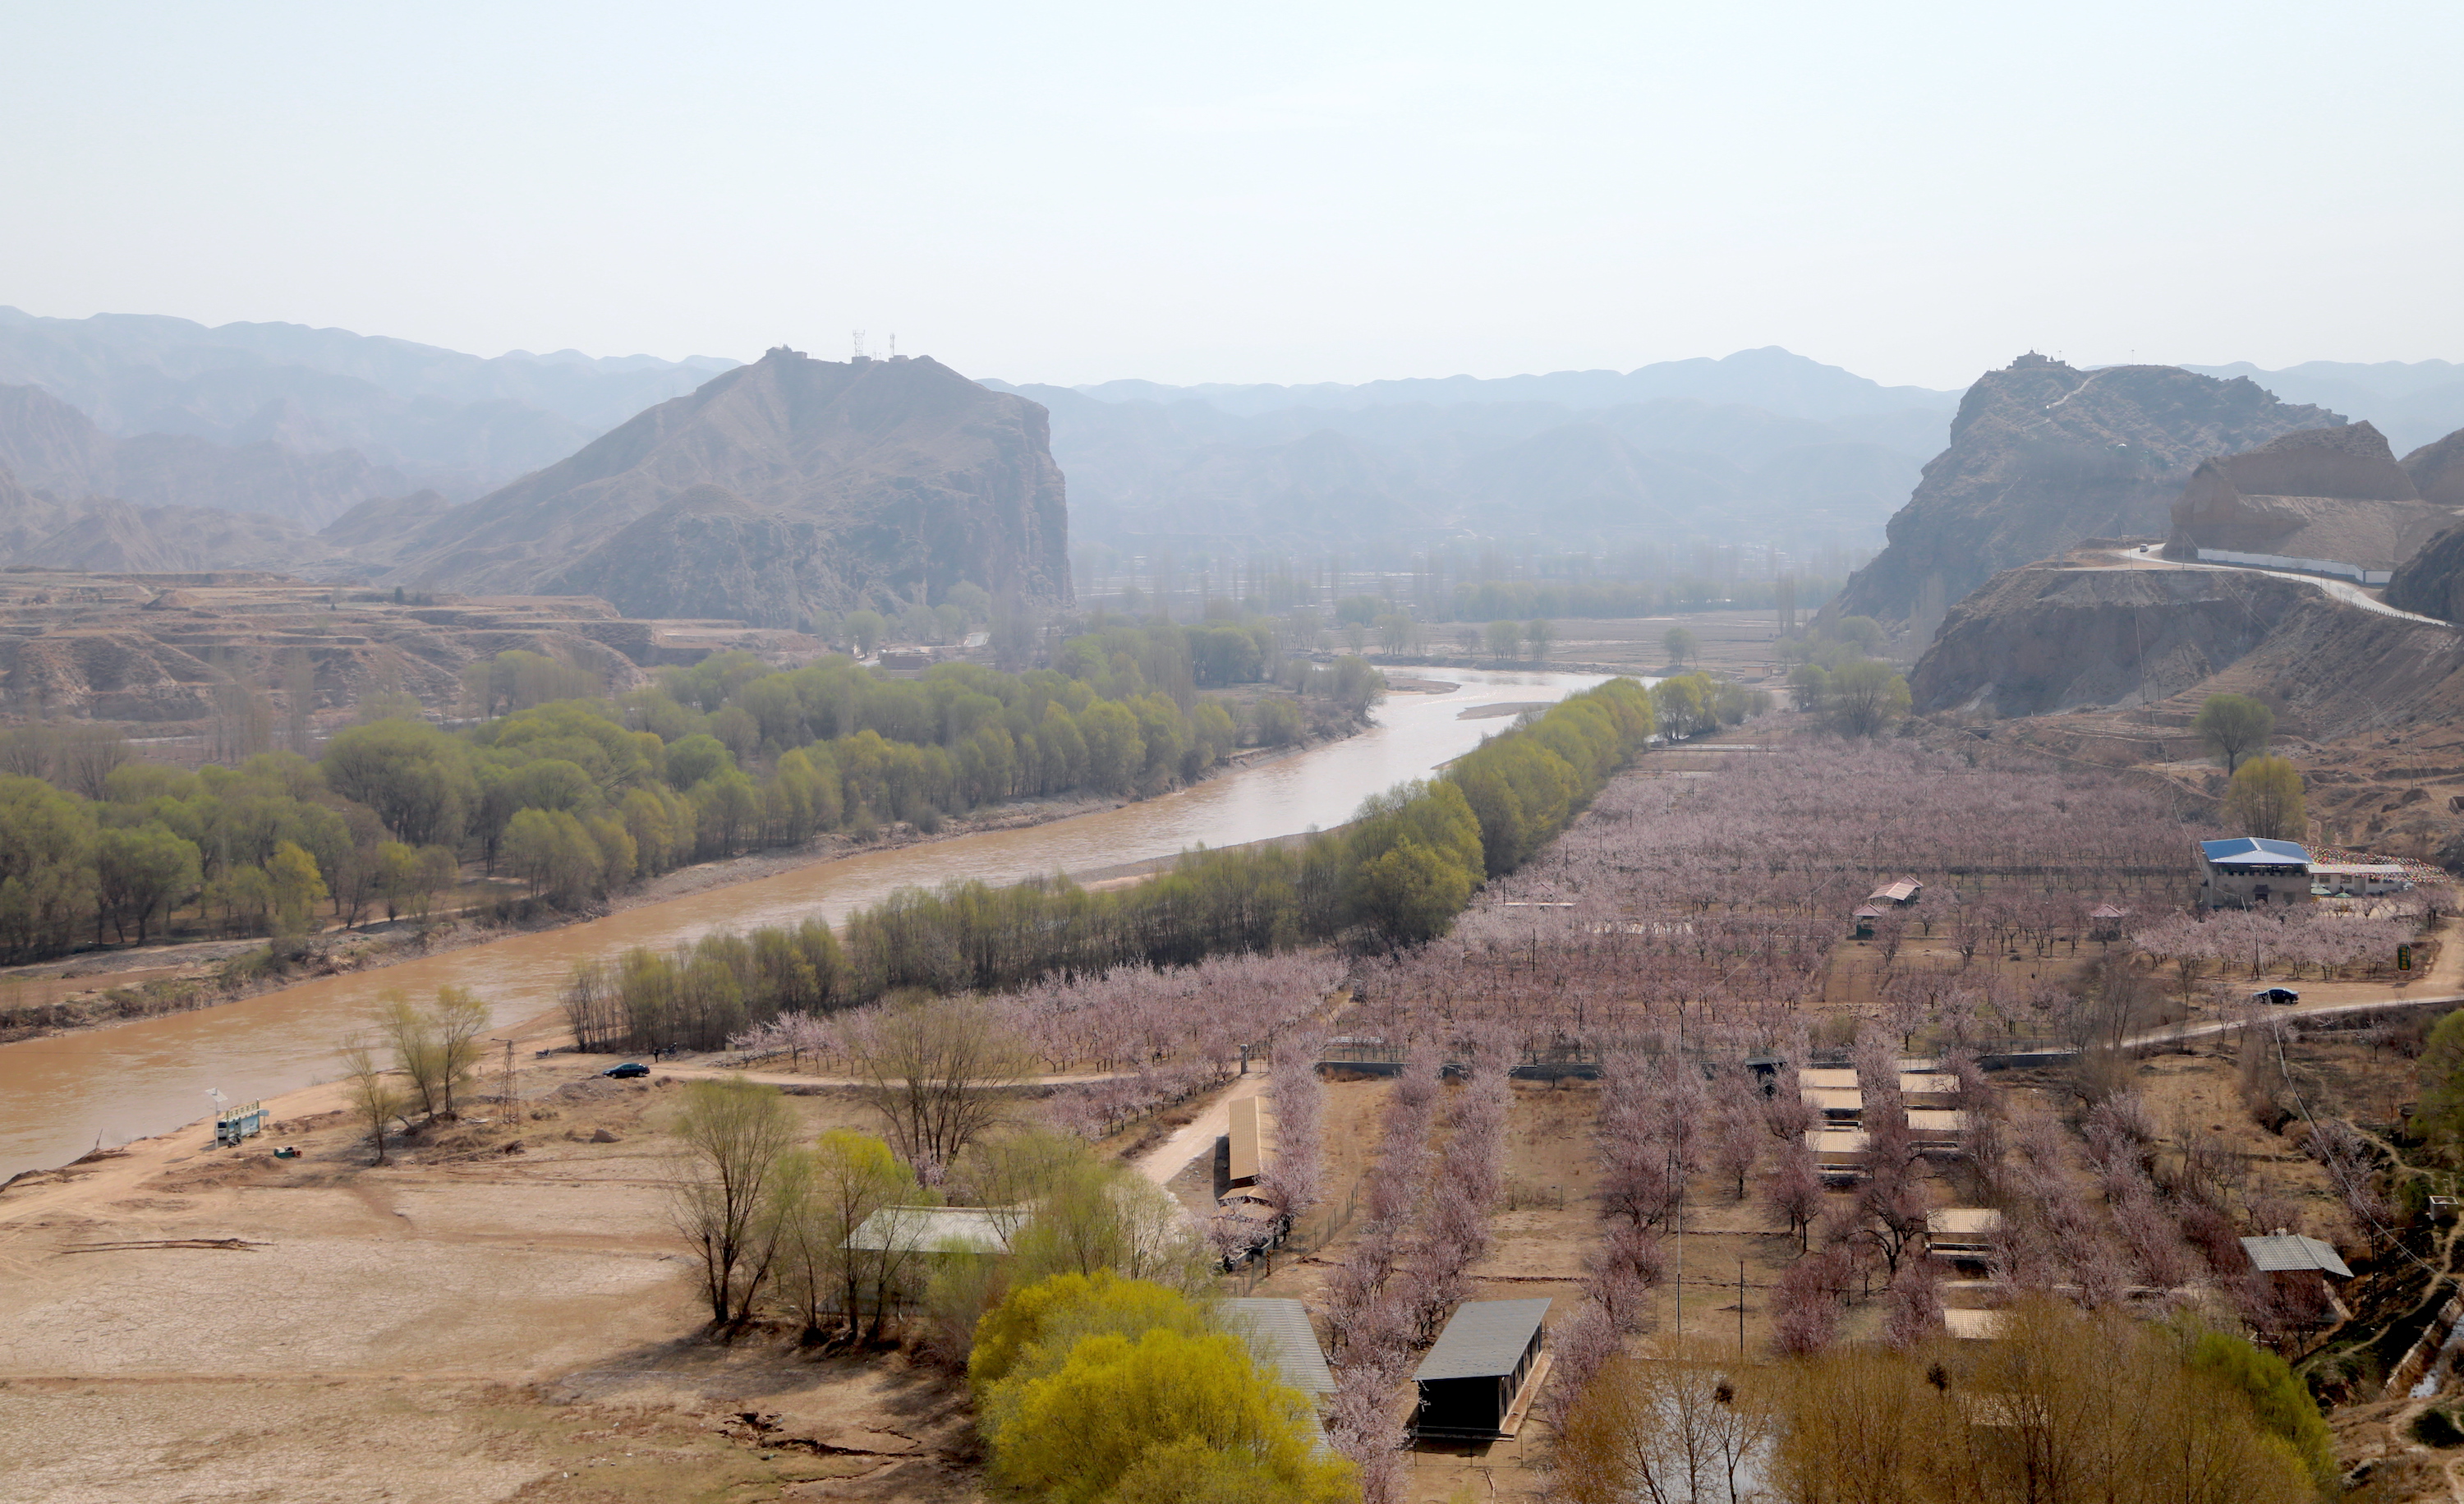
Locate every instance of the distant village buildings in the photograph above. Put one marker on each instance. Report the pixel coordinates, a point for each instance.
(2248, 873)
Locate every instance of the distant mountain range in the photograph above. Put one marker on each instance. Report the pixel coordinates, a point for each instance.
(794, 487)
(459, 424)
(2412, 403)
(1761, 444)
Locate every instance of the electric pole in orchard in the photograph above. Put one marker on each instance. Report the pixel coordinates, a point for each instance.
(505, 1087)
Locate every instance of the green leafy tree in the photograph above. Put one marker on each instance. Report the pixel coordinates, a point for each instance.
(1410, 893)
(2279, 1403)
(140, 872)
(823, 1195)
(296, 887)
(418, 779)
(2441, 1072)
(1678, 644)
(2265, 800)
(2234, 727)
(1116, 751)
(1505, 640)
(1866, 697)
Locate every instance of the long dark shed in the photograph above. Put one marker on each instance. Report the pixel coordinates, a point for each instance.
(1479, 1363)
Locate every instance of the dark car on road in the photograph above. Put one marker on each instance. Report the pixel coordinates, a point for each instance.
(2275, 995)
(627, 1070)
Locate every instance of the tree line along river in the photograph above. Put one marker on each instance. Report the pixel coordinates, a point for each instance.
(60, 1095)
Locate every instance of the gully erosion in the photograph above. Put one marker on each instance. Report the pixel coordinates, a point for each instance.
(67, 1093)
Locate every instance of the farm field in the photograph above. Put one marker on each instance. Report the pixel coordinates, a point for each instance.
(511, 1291)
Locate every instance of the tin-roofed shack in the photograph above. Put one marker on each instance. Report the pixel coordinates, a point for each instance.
(1477, 1372)
(2298, 1268)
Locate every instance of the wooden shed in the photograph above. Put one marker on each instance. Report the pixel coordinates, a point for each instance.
(1474, 1384)
(1246, 1156)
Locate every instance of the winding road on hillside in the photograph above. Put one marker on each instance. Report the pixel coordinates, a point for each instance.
(2148, 556)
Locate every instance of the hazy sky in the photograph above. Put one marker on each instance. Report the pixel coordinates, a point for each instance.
(1259, 192)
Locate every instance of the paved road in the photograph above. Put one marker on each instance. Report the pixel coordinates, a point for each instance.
(2298, 1014)
(2148, 556)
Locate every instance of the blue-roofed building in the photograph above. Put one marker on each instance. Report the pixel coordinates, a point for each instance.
(2248, 872)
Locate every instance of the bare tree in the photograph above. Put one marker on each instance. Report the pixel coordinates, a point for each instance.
(376, 1098)
(436, 1044)
(732, 1137)
(1671, 1428)
(935, 1069)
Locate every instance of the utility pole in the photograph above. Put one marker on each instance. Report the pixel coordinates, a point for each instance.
(505, 1091)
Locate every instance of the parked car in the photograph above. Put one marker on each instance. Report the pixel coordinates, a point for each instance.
(2275, 995)
(627, 1070)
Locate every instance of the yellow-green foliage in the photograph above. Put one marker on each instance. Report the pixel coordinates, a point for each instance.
(1096, 1389)
(2283, 1407)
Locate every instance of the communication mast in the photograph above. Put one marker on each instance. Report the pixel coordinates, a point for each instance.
(859, 344)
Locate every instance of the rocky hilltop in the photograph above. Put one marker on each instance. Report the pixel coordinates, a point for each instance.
(2332, 496)
(2042, 456)
(777, 491)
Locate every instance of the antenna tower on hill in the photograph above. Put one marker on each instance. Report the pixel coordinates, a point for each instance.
(859, 344)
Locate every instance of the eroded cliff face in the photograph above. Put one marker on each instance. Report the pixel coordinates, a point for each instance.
(2043, 455)
(776, 492)
(2056, 637)
(2053, 638)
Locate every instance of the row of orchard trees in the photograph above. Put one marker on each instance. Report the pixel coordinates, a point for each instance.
(1396, 875)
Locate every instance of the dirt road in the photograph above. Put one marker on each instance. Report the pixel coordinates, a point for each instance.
(1171, 1157)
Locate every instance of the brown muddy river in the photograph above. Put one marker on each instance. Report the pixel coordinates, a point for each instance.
(60, 1096)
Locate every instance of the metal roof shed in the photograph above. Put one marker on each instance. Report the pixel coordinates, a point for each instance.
(2254, 851)
(2291, 1253)
(1279, 1330)
(1469, 1381)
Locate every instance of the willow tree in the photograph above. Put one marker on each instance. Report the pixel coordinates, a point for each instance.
(2234, 726)
(2265, 800)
